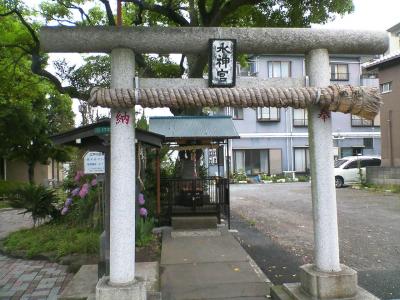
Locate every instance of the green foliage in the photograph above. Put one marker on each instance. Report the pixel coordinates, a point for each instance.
(4, 204)
(6, 187)
(303, 178)
(142, 123)
(31, 109)
(393, 188)
(239, 176)
(144, 231)
(39, 201)
(54, 237)
(266, 177)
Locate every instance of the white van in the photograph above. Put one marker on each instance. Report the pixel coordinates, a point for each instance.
(347, 169)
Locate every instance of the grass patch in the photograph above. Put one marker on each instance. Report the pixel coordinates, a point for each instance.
(394, 188)
(59, 239)
(4, 204)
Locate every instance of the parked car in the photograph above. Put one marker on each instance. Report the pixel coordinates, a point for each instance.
(347, 169)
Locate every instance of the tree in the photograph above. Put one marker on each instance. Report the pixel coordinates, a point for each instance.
(251, 13)
(31, 109)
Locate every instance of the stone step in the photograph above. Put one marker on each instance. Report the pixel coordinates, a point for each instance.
(196, 222)
(82, 285)
(234, 290)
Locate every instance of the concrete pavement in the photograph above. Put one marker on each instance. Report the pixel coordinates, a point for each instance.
(209, 264)
(368, 230)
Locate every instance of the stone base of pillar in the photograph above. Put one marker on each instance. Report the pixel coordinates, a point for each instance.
(317, 285)
(105, 291)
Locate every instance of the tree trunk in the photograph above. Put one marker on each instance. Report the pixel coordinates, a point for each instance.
(31, 172)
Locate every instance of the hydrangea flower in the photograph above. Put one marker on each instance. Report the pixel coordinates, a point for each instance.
(143, 212)
(64, 211)
(84, 190)
(141, 199)
(68, 202)
(78, 175)
(75, 192)
(93, 182)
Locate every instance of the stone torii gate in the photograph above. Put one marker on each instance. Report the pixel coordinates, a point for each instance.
(326, 278)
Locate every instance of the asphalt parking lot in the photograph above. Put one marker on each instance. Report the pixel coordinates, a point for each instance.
(369, 230)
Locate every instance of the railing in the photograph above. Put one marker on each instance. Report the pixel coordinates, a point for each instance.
(203, 196)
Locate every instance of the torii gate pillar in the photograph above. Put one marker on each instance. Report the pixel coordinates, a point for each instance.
(326, 278)
(122, 283)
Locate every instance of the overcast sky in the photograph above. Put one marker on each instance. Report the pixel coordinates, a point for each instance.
(368, 15)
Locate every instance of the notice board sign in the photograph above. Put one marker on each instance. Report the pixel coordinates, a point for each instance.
(94, 163)
(222, 63)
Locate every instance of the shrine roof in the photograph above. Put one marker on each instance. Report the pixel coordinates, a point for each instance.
(194, 127)
(95, 134)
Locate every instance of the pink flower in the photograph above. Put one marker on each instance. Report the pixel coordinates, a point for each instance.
(84, 190)
(64, 211)
(141, 199)
(143, 212)
(75, 192)
(78, 175)
(93, 182)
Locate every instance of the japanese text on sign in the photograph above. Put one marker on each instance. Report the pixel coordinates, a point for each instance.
(94, 163)
(222, 63)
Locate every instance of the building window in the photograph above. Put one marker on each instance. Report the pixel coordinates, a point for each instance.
(268, 114)
(252, 161)
(235, 112)
(301, 160)
(351, 151)
(357, 121)
(368, 143)
(339, 72)
(300, 118)
(386, 87)
(279, 69)
(249, 70)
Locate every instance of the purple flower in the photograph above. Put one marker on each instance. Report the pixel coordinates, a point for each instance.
(84, 190)
(141, 199)
(78, 176)
(143, 212)
(93, 182)
(75, 192)
(64, 211)
(68, 202)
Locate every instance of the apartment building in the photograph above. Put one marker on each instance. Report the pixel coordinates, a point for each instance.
(394, 39)
(274, 140)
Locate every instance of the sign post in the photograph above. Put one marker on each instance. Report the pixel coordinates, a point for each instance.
(94, 163)
(222, 65)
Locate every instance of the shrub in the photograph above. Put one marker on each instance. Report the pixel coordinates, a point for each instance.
(266, 177)
(239, 176)
(39, 201)
(303, 178)
(7, 187)
(81, 206)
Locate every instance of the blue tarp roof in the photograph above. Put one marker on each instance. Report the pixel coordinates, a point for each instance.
(194, 127)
